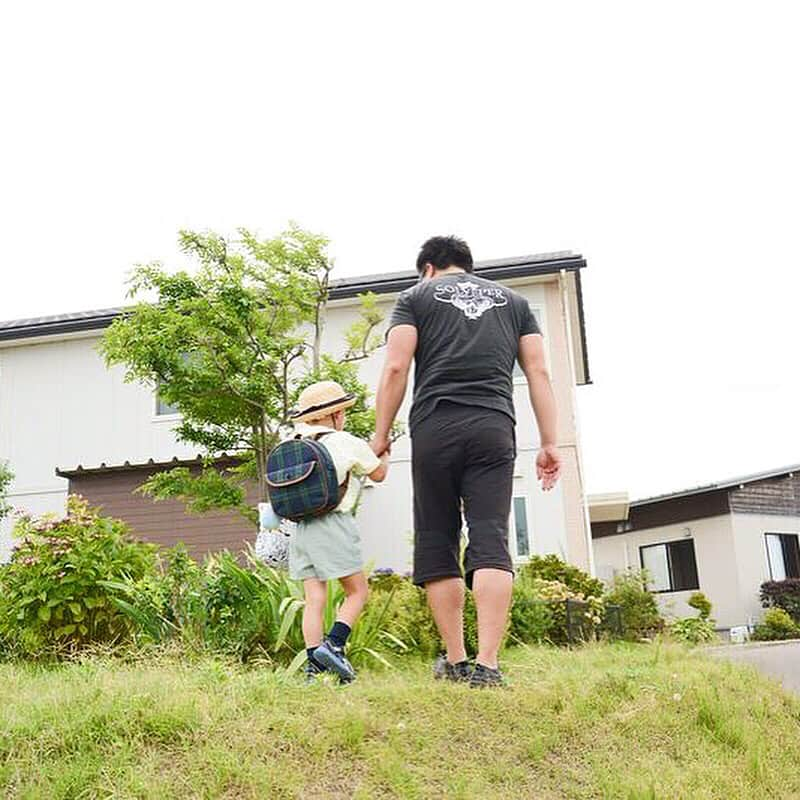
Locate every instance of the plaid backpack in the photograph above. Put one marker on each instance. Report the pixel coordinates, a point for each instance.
(302, 479)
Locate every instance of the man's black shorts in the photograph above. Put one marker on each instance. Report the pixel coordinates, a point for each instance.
(462, 453)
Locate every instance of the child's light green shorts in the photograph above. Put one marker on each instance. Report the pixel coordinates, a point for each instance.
(325, 547)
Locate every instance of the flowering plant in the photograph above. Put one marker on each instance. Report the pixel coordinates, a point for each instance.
(53, 593)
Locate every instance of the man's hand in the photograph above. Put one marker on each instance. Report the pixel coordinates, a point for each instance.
(548, 466)
(381, 445)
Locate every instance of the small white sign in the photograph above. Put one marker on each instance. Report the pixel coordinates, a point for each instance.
(739, 634)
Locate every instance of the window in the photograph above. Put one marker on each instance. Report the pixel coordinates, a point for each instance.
(537, 314)
(672, 566)
(163, 409)
(783, 555)
(521, 542)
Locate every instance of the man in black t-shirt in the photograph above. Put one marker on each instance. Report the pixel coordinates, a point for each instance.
(464, 334)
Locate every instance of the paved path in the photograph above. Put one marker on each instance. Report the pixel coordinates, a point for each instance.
(780, 660)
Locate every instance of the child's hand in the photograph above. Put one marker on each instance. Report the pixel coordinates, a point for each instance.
(379, 473)
(381, 445)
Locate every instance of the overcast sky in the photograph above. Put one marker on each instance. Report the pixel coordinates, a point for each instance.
(661, 141)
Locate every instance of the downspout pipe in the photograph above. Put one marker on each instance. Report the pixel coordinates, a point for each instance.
(562, 280)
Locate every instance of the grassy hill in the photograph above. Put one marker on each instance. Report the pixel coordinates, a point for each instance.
(608, 721)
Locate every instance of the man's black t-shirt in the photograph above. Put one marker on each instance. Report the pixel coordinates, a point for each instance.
(468, 332)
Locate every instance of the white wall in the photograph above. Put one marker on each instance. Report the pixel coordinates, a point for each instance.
(60, 407)
(751, 554)
(717, 565)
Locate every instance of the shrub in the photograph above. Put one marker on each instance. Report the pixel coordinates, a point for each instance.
(53, 595)
(700, 602)
(564, 625)
(552, 568)
(777, 624)
(532, 619)
(409, 618)
(249, 610)
(252, 610)
(168, 602)
(640, 614)
(782, 594)
(693, 630)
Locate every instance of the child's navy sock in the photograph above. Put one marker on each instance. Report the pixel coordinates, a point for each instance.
(339, 633)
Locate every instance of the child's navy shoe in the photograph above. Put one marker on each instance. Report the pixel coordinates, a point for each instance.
(332, 658)
(313, 671)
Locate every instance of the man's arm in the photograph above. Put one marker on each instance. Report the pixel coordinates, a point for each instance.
(532, 361)
(401, 345)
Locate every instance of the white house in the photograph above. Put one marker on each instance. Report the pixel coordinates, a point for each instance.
(724, 539)
(67, 423)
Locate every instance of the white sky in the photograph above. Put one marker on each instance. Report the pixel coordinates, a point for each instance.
(659, 140)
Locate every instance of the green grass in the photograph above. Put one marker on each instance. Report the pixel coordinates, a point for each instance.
(620, 721)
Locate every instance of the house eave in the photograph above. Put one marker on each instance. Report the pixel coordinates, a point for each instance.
(126, 466)
(610, 507)
(714, 487)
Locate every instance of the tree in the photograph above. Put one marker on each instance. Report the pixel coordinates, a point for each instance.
(6, 476)
(231, 347)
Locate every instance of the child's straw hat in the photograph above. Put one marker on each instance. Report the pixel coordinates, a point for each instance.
(320, 400)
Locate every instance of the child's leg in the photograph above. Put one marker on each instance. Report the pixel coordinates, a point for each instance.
(355, 590)
(316, 592)
(331, 653)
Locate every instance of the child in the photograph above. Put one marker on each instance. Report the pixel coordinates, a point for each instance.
(328, 547)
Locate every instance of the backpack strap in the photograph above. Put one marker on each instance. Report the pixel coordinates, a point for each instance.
(346, 483)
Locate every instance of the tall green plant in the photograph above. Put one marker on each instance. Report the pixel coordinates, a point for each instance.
(230, 346)
(166, 603)
(252, 611)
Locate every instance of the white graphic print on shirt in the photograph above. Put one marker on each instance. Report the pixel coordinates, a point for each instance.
(469, 297)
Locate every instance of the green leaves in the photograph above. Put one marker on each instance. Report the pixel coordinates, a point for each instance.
(52, 593)
(201, 491)
(230, 345)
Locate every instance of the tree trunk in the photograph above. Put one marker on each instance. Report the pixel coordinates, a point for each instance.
(261, 462)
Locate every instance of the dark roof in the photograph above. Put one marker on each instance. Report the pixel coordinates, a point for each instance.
(496, 270)
(150, 464)
(382, 283)
(58, 323)
(713, 487)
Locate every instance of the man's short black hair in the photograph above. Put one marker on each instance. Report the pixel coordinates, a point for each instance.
(443, 252)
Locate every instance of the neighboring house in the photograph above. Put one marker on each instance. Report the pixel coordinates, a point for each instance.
(725, 540)
(67, 423)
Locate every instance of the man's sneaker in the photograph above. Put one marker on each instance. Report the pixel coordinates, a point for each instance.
(332, 658)
(444, 670)
(484, 677)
